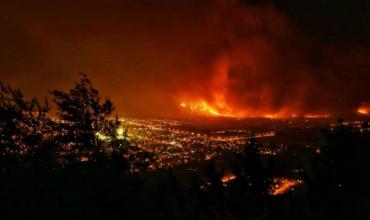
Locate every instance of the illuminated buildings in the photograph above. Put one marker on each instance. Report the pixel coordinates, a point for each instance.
(173, 143)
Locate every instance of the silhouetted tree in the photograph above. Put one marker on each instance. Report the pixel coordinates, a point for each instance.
(84, 118)
(25, 127)
(214, 193)
(244, 197)
(33, 182)
(250, 189)
(27, 152)
(338, 184)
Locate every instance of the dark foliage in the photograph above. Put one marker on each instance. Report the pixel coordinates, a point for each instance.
(245, 196)
(338, 183)
(59, 168)
(250, 190)
(25, 130)
(82, 115)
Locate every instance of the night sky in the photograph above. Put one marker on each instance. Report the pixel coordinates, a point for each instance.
(248, 57)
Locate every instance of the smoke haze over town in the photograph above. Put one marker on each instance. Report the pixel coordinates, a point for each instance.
(168, 58)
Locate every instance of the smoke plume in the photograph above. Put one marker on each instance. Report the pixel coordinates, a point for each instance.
(169, 57)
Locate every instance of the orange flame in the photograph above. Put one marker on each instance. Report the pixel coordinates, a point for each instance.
(214, 101)
(364, 109)
(317, 115)
(283, 185)
(227, 178)
(204, 108)
(221, 109)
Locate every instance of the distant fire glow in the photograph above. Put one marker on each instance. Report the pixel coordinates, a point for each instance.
(229, 93)
(204, 108)
(317, 115)
(220, 58)
(283, 185)
(227, 178)
(364, 109)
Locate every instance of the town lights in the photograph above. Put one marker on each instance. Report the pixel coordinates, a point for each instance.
(120, 133)
(102, 137)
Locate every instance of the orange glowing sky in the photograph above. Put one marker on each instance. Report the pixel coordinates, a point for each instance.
(193, 57)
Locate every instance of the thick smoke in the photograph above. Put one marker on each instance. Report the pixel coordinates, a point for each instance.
(149, 56)
(265, 66)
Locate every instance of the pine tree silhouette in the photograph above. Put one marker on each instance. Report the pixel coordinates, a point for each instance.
(25, 127)
(83, 117)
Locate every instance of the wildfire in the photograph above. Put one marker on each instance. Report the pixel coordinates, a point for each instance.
(219, 104)
(221, 109)
(204, 108)
(283, 185)
(363, 109)
(317, 115)
(227, 178)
